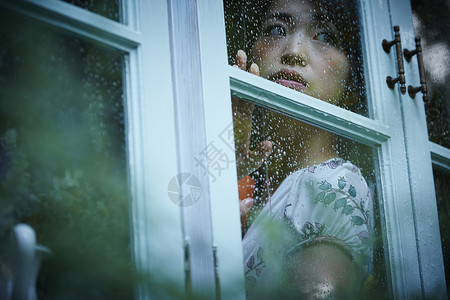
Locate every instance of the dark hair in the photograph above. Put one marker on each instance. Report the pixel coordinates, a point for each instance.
(244, 20)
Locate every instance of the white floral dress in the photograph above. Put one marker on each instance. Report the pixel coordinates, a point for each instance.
(330, 202)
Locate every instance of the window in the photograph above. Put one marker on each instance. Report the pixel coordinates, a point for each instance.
(164, 120)
(65, 166)
(78, 98)
(401, 193)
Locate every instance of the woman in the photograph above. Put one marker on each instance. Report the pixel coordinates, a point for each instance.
(311, 239)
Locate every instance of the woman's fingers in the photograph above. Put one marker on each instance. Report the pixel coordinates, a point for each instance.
(254, 69)
(241, 63)
(241, 60)
(245, 206)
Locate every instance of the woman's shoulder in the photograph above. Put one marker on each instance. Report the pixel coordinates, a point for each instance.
(335, 173)
(330, 167)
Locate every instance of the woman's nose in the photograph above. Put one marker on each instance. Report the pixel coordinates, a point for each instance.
(296, 52)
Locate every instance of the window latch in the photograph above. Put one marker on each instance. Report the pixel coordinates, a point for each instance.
(187, 266)
(412, 91)
(401, 70)
(216, 272)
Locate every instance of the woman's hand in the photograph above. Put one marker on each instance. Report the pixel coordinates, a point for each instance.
(246, 188)
(246, 161)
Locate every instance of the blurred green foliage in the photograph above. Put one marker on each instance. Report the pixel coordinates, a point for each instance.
(63, 158)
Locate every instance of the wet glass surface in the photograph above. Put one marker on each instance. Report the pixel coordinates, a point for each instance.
(110, 9)
(431, 23)
(314, 187)
(313, 48)
(441, 183)
(310, 215)
(63, 165)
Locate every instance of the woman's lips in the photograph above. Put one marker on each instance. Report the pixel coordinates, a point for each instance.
(291, 79)
(298, 86)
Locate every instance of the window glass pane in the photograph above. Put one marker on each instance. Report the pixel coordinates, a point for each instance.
(110, 9)
(441, 182)
(309, 211)
(63, 166)
(431, 23)
(310, 46)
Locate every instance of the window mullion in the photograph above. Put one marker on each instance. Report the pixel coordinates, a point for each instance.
(420, 166)
(219, 133)
(152, 152)
(402, 257)
(192, 145)
(312, 110)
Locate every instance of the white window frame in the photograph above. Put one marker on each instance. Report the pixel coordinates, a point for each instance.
(422, 155)
(412, 246)
(162, 108)
(157, 238)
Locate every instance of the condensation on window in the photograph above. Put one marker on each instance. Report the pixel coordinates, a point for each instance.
(110, 9)
(300, 188)
(431, 23)
(441, 182)
(316, 51)
(63, 165)
(310, 214)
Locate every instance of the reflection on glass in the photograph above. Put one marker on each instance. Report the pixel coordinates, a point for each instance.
(441, 182)
(110, 9)
(62, 159)
(307, 196)
(431, 23)
(307, 200)
(310, 46)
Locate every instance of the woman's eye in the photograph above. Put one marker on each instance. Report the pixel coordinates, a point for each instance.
(276, 30)
(326, 37)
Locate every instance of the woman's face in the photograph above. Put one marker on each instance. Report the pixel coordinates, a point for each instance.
(298, 47)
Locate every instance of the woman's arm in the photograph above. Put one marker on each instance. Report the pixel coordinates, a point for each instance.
(246, 161)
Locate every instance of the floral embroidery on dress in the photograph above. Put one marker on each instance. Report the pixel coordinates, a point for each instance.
(334, 163)
(254, 268)
(312, 169)
(285, 208)
(346, 201)
(311, 231)
(329, 202)
(364, 236)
